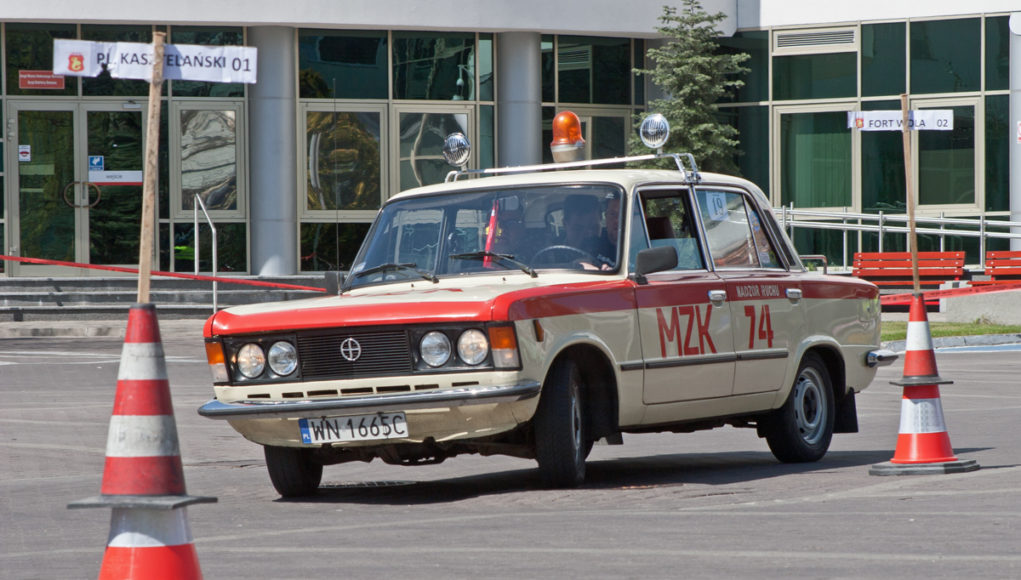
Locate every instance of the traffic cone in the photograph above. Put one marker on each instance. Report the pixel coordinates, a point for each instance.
(143, 478)
(923, 444)
(142, 454)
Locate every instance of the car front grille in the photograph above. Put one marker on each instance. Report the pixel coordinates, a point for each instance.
(380, 353)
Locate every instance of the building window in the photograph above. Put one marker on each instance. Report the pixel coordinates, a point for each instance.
(752, 124)
(882, 166)
(548, 65)
(207, 36)
(754, 43)
(434, 66)
(421, 136)
(343, 150)
(104, 84)
(815, 159)
(815, 76)
(342, 65)
(330, 246)
(594, 70)
(487, 90)
(883, 59)
(208, 140)
(29, 50)
(946, 162)
(945, 56)
(231, 245)
(997, 153)
(997, 53)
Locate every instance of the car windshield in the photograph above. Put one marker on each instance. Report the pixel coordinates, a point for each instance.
(478, 232)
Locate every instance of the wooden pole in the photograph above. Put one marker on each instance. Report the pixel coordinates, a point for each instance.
(912, 234)
(152, 142)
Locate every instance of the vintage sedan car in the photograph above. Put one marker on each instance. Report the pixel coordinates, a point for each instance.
(531, 312)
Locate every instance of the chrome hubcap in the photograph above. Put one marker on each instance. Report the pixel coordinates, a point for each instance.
(810, 406)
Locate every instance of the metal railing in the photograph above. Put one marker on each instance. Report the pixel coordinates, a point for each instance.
(212, 228)
(982, 228)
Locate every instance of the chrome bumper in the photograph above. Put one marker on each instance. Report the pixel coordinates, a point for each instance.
(455, 397)
(880, 358)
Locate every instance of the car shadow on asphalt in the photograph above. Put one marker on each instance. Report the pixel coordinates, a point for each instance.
(626, 473)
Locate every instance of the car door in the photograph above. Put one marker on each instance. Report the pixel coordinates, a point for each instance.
(684, 320)
(765, 300)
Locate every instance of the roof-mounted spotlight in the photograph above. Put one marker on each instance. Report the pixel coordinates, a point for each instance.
(457, 150)
(654, 131)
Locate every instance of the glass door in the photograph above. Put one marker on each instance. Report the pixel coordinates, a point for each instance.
(43, 171)
(77, 190)
(945, 162)
(816, 164)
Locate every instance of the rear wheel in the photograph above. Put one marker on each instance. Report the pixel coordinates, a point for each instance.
(561, 440)
(800, 431)
(293, 471)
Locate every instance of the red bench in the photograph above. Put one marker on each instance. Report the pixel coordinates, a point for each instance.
(1002, 267)
(893, 269)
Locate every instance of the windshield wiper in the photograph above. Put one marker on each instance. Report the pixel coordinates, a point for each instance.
(393, 266)
(481, 255)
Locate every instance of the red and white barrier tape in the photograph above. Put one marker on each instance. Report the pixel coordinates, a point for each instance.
(167, 274)
(899, 299)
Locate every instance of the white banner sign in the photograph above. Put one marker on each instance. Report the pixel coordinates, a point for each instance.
(134, 60)
(922, 120)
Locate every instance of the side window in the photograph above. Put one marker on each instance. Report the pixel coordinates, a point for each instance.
(767, 254)
(668, 220)
(734, 231)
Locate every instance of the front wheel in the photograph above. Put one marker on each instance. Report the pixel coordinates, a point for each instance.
(800, 430)
(561, 441)
(293, 471)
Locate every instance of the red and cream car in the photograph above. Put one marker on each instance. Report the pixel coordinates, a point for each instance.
(535, 312)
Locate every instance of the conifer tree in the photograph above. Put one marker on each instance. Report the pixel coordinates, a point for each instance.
(694, 75)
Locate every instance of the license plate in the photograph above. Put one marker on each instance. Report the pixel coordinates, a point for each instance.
(354, 428)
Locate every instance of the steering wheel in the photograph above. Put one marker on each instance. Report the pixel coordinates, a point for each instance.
(582, 255)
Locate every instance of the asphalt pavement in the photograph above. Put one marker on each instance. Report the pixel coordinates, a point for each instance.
(713, 504)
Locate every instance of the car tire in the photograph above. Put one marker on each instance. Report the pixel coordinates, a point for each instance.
(293, 471)
(561, 440)
(800, 431)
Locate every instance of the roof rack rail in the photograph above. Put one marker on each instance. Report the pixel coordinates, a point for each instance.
(690, 175)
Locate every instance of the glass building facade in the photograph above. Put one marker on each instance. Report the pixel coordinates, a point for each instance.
(792, 114)
(372, 108)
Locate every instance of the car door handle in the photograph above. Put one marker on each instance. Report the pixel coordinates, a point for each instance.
(717, 297)
(794, 295)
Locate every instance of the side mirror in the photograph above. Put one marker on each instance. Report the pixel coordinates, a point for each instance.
(334, 280)
(655, 260)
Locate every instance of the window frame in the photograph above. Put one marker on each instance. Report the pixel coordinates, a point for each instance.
(237, 105)
(778, 247)
(306, 106)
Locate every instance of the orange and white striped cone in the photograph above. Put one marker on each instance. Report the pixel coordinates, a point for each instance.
(150, 543)
(142, 454)
(923, 444)
(143, 478)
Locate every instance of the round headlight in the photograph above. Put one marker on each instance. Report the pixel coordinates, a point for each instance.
(473, 346)
(654, 131)
(435, 348)
(251, 360)
(283, 358)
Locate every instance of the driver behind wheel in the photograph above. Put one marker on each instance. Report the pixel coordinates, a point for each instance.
(582, 230)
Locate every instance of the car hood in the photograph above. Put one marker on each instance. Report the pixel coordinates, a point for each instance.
(450, 300)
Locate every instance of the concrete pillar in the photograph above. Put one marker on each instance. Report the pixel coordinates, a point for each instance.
(519, 98)
(272, 149)
(1015, 126)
